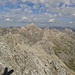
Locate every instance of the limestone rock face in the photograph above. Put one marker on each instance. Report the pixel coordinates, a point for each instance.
(32, 51)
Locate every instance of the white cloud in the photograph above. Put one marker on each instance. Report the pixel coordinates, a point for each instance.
(52, 20)
(28, 11)
(7, 19)
(23, 0)
(23, 19)
(24, 12)
(73, 14)
(13, 1)
(70, 22)
(16, 11)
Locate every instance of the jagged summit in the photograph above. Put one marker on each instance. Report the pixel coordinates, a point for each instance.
(30, 50)
(29, 25)
(32, 26)
(68, 30)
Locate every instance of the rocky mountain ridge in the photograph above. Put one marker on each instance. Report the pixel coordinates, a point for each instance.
(30, 50)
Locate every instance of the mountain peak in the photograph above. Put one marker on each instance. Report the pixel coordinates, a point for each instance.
(30, 25)
(36, 51)
(68, 30)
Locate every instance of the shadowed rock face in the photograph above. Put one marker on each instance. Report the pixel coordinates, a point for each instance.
(32, 51)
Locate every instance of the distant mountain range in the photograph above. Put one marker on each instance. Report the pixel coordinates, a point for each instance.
(58, 27)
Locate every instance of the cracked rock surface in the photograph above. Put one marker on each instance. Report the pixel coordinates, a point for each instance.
(33, 51)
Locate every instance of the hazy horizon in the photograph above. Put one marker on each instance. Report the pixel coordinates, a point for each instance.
(40, 24)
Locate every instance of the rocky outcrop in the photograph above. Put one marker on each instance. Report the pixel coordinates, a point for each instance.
(32, 51)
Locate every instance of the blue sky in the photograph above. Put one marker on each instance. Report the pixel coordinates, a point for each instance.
(42, 11)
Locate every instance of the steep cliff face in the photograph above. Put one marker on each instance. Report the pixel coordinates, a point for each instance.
(32, 51)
